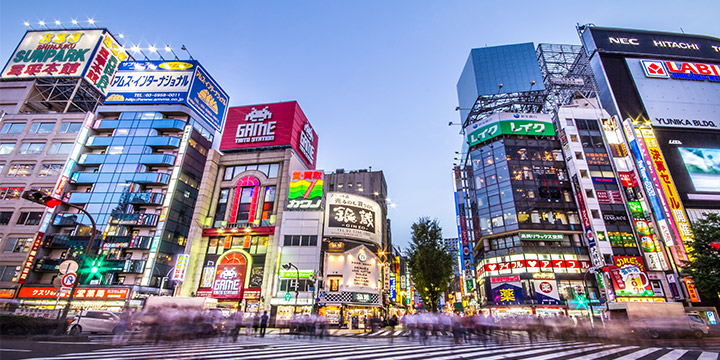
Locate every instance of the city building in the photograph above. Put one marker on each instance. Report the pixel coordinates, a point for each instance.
(239, 237)
(45, 101)
(525, 224)
(136, 167)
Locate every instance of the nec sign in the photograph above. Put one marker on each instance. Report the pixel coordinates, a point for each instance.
(681, 70)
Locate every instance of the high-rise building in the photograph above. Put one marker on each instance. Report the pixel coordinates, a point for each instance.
(136, 168)
(47, 94)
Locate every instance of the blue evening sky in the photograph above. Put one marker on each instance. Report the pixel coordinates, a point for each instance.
(375, 78)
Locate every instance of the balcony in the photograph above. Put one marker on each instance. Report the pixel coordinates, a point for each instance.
(70, 219)
(134, 266)
(168, 142)
(84, 177)
(128, 242)
(153, 178)
(146, 198)
(168, 124)
(139, 219)
(99, 141)
(56, 241)
(79, 198)
(92, 159)
(157, 159)
(47, 265)
(163, 142)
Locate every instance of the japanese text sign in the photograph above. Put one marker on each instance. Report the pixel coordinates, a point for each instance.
(81, 293)
(353, 217)
(305, 190)
(181, 267)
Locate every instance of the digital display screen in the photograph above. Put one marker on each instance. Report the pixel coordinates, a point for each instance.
(703, 166)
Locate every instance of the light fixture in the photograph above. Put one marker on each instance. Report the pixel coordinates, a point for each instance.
(168, 48)
(135, 49)
(248, 229)
(26, 23)
(75, 22)
(41, 22)
(234, 230)
(57, 22)
(152, 48)
(122, 36)
(91, 21)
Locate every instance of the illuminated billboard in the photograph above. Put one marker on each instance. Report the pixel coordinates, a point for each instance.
(509, 124)
(268, 126)
(170, 82)
(352, 217)
(91, 54)
(305, 190)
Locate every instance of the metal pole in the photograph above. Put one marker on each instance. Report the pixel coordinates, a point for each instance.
(63, 318)
(587, 293)
(297, 286)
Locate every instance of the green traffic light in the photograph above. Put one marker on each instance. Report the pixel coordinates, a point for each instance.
(94, 269)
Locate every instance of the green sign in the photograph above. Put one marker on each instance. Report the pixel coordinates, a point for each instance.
(361, 297)
(287, 296)
(510, 127)
(292, 274)
(636, 210)
(538, 236)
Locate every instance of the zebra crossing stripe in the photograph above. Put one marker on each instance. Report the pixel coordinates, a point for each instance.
(708, 356)
(606, 353)
(675, 354)
(638, 354)
(474, 350)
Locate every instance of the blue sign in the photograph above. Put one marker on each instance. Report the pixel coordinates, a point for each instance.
(392, 287)
(711, 317)
(647, 181)
(208, 99)
(170, 82)
(507, 294)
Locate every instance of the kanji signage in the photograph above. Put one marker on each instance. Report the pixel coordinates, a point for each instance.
(105, 63)
(271, 125)
(27, 292)
(531, 263)
(305, 190)
(509, 124)
(31, 257)
(597, 158)
(353, 217)
(293, 274)
(507, 291)
(170, 82)
(546, 291)
(630, 279)
(60, 53)
(538, 236)
(692, 292)
(181, 267)
(627, 178)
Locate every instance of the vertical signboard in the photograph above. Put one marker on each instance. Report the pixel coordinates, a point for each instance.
(181, 267)
(305, 190)
(105, 63)
(208, 99)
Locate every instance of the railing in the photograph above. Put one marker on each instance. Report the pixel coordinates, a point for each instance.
(138, 219)
(64, 241)
(150, 198)
(130, 242)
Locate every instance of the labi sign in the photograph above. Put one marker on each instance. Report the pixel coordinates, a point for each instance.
(509, 124)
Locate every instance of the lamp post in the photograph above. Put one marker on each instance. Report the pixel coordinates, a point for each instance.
(297, 284)
(49, 201)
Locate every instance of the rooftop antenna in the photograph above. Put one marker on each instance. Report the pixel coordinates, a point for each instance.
(187, 51)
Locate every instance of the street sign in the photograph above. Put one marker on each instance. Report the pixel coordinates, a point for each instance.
(287, 296)
(57, 282)
(68, 266)
(322, 294)
(68, 279)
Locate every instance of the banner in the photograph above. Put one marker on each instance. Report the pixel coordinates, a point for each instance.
(546, 291)
(507, 290)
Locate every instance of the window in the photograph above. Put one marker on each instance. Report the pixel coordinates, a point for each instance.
(6, 148)
(300, 240)
(569, 122)
(70, 127)
(21, 169)
(30, 148)
(269, 202)
(573, 138)
(12, 128)
(589, 194)
(29, 218)
(584, 174)
(18, 245)
(578, 155)
(9, 273)
(10, 193)
(50, 169)
(595, 214)
(41, 128)
(5, 217)
(60, 148)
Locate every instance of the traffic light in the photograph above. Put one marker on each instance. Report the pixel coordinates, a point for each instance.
(39, 197)
(94, 268)
(582, 301)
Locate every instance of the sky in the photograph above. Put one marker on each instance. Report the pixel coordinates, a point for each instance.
(376, 79)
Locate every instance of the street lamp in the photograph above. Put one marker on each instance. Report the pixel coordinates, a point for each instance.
(297, 284)
(51, 202)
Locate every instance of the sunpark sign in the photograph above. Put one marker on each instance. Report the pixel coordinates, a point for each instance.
(681, 70)
(508, 124)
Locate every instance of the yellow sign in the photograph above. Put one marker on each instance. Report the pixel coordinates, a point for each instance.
(668, 187)
(638, 299)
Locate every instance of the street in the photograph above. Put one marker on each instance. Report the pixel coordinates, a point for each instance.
(351, 345)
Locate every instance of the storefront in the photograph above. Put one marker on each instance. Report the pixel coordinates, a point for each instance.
(110, 299)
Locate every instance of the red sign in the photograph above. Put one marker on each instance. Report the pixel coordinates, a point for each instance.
(690, 285)
(505, 279)
(630, 260)
(627, 178)
(80, 294)
(31, 257)
(252, 293)
(270, 125)
(230, 277)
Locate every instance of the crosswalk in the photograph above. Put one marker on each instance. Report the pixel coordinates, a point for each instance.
(349, 348)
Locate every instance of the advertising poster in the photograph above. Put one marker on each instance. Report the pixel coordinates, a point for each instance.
(208, 99)
(352, 217)
(52, 53)
(151, 82)
(546, 289)
(105, 63)
(305, 190)
(509, 124)
(630, 279)
(507, 290)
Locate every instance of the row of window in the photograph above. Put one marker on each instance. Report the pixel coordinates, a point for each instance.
(293, 285)
(40, 127)
(300, 240)
(22, 170)
(270, 170)
(25, 218)
(13, 193)
(34, 148)
(18, 244)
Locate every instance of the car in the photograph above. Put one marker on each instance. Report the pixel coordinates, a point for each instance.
(94, 321)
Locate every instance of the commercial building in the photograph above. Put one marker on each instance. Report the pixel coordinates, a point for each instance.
(236, 246)
(661, 91)
(529, 252)
(47, 94)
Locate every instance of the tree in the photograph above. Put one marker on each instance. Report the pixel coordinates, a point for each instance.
(430, 264)
(704, 264)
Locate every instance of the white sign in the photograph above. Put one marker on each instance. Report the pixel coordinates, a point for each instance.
(68, 280)
(353, 217)
(52, 53)
(181, 267)
(359, 268)
(68, 266)
(306, 142)
(256, 128)
(152, 81)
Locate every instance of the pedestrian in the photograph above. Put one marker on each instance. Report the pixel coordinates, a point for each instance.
(239, 315)
(256, 323)
(263, 324)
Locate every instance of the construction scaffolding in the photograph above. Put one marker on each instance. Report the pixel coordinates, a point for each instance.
(566, 74)
(62, 95)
